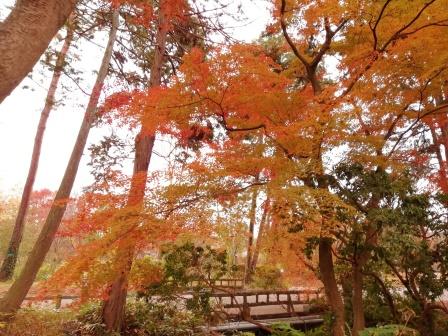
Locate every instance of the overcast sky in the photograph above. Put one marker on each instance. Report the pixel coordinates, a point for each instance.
(19, 115)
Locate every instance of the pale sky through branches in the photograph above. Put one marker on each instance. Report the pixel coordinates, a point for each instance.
(19, 114)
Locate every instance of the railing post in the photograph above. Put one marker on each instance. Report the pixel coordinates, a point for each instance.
(58, 301)
(246, 308)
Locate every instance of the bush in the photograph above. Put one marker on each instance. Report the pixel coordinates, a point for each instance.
(389, 330)
(31, 322)
(285, 329)
(268, 277)
(142, 319)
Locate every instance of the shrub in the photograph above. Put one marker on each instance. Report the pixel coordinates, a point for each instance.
(268, 277)
(33, 322)
(285, 329)
(142, 319)
(389, 330)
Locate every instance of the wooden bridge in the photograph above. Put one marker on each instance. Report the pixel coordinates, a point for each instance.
(243, 309)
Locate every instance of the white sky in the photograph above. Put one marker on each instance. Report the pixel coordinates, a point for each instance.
(19, 115)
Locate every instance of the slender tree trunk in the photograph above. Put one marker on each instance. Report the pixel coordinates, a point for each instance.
(114, 305)
(15, 295)
(357, 301)
(443, 183)
(331, 287)
(263, 221)
(328, 277)
(361, 260)
(24, 36)
(9, 263)
(250, 239)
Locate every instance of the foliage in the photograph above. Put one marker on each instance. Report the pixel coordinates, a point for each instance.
(285, 329)
(40, 202)
(141, 319)
(188, 267)
(37, 322)
(337, 115)
(389, 330)
(268, 277)
(145, 271)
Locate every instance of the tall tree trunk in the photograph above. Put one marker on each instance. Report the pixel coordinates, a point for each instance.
(360, 261)
(114, 305)
(427, 325)
(15, 295)
(9, 263)
(328, 277)
(25, 35)
(263, 221)
(250, 239)
(331, 287)
(357, 301)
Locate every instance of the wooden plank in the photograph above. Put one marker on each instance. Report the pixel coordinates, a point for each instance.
(243, 325)
(261, 304)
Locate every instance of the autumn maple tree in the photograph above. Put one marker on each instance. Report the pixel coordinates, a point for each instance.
(303, 116)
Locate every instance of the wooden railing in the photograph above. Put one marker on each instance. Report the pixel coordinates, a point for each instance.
(256, 298)
(244, 301)
(219, 283)
(226, 298)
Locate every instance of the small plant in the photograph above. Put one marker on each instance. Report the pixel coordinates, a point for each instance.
(285, 329)
(389, 330)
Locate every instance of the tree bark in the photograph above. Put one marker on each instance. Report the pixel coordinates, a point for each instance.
(114, 305)
(25, 35)
(357, 301)
(17, 292)
(9, 263)
(331, 287)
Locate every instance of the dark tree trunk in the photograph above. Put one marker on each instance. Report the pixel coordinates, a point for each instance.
(357, 301)
(9, 263)
(427, 325)
(17, 292)
(25, 35)
(331, 287)
(114, 305)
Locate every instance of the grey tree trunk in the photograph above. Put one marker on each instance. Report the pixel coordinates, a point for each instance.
(19, 289)
(261, 229)
(25, 35)
(250, 239)
(10, 260)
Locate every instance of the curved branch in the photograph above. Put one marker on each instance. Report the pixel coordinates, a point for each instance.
(288, 38)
